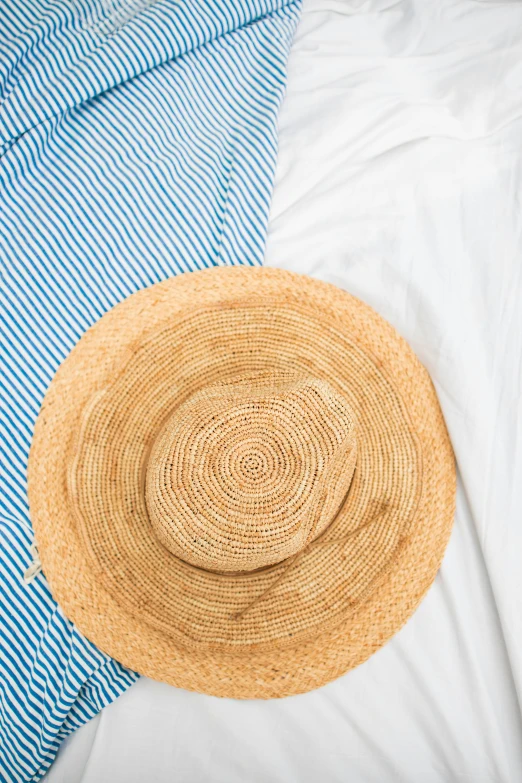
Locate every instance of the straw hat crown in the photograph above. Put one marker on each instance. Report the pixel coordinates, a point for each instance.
(243, 475)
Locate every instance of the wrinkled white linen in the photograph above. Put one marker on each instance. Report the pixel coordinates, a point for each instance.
(399, 179)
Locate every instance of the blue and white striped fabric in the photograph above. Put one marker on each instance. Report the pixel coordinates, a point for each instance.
(138, 140)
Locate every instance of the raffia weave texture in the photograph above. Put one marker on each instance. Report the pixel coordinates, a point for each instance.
(241, 482)
(233, 478)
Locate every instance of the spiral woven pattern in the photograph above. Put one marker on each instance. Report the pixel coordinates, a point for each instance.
(241, 482)
(235, 476)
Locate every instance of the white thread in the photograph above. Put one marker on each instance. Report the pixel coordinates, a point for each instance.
(36, 566)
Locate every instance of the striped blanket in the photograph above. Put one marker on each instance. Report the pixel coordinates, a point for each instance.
(138, 140)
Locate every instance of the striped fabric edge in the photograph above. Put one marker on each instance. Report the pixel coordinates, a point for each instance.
(66, 684)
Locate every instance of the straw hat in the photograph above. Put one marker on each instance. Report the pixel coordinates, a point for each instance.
(241, 482)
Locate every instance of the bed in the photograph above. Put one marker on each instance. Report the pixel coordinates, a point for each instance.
(399, 177)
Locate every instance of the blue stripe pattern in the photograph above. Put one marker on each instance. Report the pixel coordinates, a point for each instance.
(138, 140)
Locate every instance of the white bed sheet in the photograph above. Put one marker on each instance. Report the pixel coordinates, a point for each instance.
(399, 179)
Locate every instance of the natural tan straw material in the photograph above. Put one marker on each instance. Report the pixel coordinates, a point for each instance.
(241, 482)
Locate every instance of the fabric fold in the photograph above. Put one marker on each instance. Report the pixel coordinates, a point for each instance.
(67, 55)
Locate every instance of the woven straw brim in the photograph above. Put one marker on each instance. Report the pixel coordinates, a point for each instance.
(341, 600)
